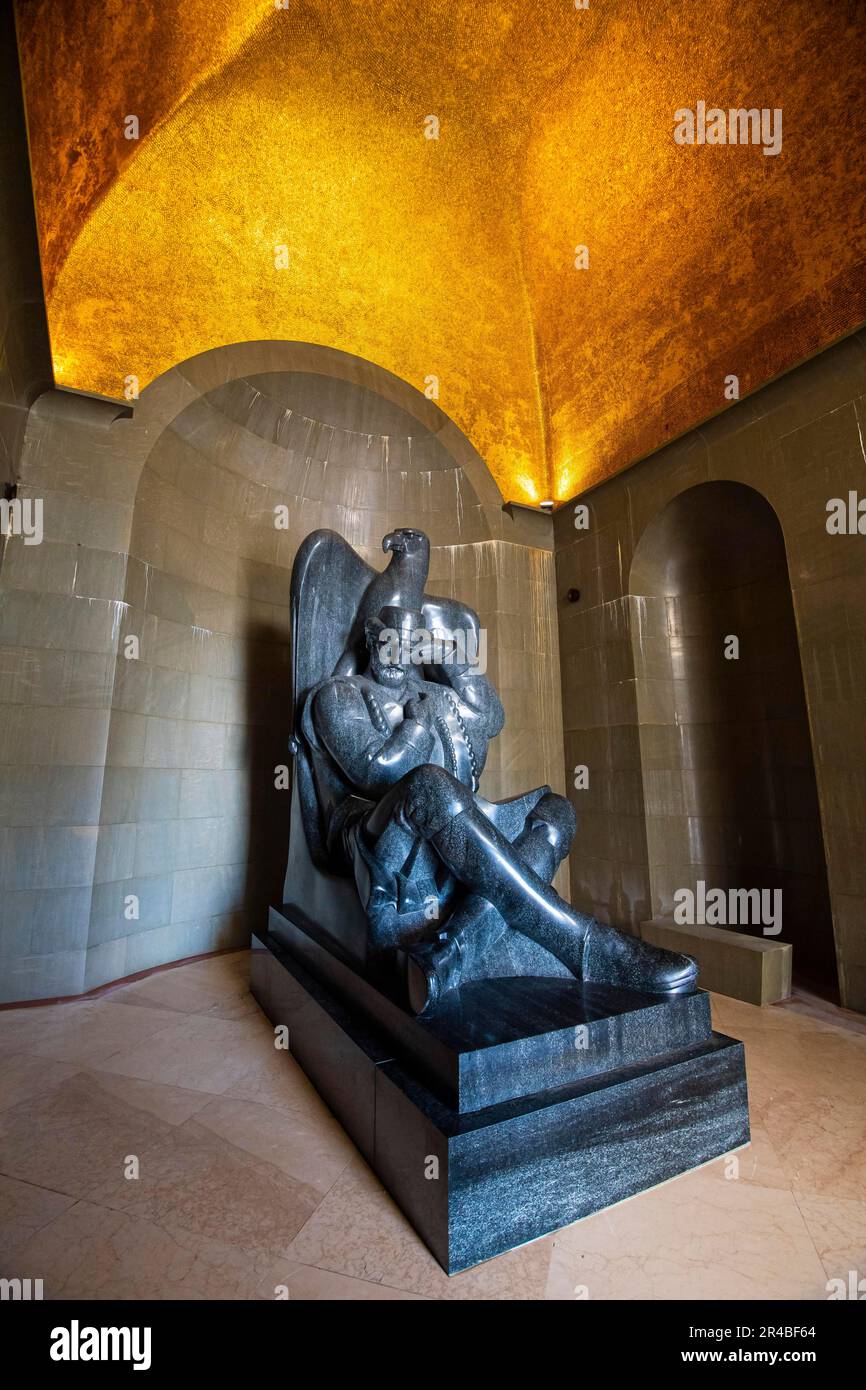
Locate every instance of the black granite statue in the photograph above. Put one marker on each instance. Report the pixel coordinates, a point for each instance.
(393, 720)
(456, 1015)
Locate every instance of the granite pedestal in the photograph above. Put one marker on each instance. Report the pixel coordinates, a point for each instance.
(519, 1106)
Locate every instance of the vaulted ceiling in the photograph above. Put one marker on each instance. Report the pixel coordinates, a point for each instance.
(283, 185)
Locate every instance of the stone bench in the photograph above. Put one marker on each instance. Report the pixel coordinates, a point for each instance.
(753, 968)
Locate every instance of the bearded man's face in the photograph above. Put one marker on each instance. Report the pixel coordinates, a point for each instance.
(387, 666)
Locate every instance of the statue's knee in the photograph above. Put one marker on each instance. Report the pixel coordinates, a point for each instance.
(555, 818)
(433, 797)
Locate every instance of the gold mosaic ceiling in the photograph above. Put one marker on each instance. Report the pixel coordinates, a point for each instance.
(282, 186)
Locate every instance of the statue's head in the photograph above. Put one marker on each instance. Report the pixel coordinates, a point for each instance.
(406, 541)
(391, 639)
(399, 643)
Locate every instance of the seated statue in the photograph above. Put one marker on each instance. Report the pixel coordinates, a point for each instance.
(391, 746)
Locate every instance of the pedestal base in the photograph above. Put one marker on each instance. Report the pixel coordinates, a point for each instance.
(476, 1182)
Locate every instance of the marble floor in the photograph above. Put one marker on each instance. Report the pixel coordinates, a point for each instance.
(246, 1184)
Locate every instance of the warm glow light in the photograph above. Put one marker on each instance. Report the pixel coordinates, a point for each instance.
(282, 187)
(569, 479)
(704, 261)
(526, 486)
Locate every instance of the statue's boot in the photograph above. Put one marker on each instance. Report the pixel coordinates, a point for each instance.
(480, 857)
(457, 952)
(433, 968)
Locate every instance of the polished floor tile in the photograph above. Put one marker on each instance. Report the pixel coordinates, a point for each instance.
(217, 988)
(704, 1235)
(93, 1252)
(86, 1032)
(838, 1228)
(23, 1078)
(310, 1283)
(309, 1147)
(192, 1182)
(65, 1138)
(357, 1230)
(245, 1187)
(24, 1210)
(195, 1051)
(275, 1079)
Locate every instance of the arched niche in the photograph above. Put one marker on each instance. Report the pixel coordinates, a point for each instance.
(729, 778)
(194, 816)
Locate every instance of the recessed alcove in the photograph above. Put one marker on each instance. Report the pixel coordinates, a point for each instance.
(193, 825)
(726, 753)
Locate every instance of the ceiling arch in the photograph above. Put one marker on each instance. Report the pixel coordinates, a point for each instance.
(283, 186)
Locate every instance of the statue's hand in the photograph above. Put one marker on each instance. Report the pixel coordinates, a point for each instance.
(419, 708)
